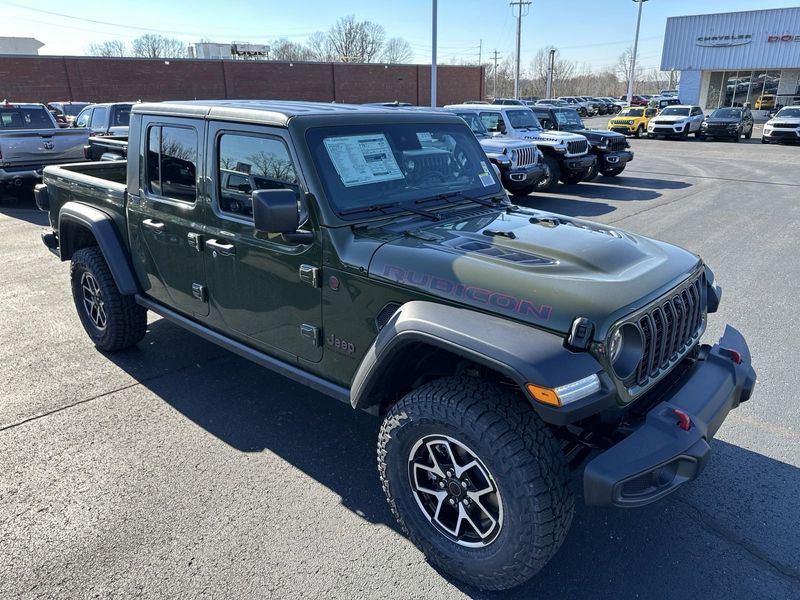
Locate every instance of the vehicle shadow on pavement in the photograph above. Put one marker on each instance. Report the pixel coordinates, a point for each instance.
(688, 545)
(22, 206)
(644, 183)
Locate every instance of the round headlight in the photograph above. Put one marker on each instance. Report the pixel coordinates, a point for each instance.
(625, 350)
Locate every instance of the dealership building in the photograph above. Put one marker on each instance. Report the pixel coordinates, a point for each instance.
(731, 59)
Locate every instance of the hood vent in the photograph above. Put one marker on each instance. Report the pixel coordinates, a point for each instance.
(515, 256)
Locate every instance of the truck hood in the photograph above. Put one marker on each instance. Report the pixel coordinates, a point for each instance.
(597, 135)
(500, 144)
(669, 119)
(535, 267)
(549, 136)
(788, 120)
(722, 121)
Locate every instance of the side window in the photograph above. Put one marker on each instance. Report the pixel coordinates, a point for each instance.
(172, 162)
(247, 163)
(493, 121)
(99, 117)
(650, 112)
(84, 118)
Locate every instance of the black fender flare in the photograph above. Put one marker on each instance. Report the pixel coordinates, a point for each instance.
(522, 353)
(105, 232)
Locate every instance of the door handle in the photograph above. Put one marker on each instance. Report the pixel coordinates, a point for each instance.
(221, 248)
(156, 226)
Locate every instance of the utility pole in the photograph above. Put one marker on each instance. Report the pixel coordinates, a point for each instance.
(494, 85)
(635, 50)
(550, 65)
(480, 51)
(522, 10)
(433, 56)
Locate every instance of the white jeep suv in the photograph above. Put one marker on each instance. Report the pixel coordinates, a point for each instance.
(678, 120)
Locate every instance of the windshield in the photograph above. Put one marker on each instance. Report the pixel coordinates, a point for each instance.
(672, 111)
(368, 165)
(73, 109)
(631, 112)
(25, 118)
(789, 113)
(523, 119)
(567, 118)
(727, 113)
(475, 123)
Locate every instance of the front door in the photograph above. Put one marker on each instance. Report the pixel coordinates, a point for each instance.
(263, 288)
(166, 219)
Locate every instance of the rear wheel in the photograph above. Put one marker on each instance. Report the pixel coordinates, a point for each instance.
(476, 479)
(112, 320)
(552, 175)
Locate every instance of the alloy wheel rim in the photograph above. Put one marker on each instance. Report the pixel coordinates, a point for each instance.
(455, 491)
(93, 301)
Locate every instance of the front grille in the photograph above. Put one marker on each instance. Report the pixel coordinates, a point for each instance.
(787, 125)
(616, 145)
(578, 147)
(669, 330)
(526, 156)
(784, 134)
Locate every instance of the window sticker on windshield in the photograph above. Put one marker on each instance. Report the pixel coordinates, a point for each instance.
(424, 136)
(363, 159)
(485, 177)
(561, 117)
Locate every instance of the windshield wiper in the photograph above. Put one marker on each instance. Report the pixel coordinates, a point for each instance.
(387, 205)
(459, 195)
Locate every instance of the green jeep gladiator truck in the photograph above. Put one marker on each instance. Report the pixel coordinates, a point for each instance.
(372, 255)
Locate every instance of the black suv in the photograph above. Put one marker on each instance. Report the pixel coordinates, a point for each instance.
(731, 123)
(611, 148)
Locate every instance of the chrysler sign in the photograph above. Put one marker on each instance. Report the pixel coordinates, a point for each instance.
(724, 41)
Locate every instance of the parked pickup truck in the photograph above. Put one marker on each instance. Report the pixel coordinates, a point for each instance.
(566, 155)
(110, 118)
(30, 138)
(501, 346)
(519, 162)
(107, 147)
(611, 149)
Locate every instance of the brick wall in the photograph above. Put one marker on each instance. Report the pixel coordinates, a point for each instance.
(52, 78)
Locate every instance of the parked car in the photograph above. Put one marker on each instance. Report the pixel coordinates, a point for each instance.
(109, 118)
(66, 112)
(598, 106)
(676, 121)
(566, 155)
(502, 347)
(30, 138)
(551, 102)
(731, 123)
(509, 102)
(519, 162)
(106, 147)
(606, 106)
(584, 108)
(611, 149)
(632, 120)
(765, 102)
(783, 127)
(635, 100)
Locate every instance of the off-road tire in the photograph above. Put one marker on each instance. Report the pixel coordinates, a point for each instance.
(125, 322)
(592, 173)
(613, 172)
(573, 178)
(548, 183)
(523, 458)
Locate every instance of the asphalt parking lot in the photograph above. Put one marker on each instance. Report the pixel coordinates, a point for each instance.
(180, 470)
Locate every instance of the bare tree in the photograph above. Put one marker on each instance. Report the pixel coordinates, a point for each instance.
(158, 46)
(356, 41)
(108, 49)
(285, 50)
(319, 44)
(625, 66)
(563, 72)
(397, 50)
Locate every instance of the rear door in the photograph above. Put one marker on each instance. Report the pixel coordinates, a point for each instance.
(262, 287)
(166, 220)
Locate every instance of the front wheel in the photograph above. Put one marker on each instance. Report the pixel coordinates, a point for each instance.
(552, 175)
(749, 134)
(764, 140)
(523, 190)
(573, 178)
(476, 479)
(613, 172)
(592, 173)
(112, 320)
(639, 132)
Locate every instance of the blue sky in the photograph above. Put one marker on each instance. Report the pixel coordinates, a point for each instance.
(590, 31)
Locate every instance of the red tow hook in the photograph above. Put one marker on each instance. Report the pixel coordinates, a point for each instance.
(684, 422)
(734, 354)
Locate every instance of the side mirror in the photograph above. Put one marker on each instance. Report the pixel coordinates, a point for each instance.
(276, 211)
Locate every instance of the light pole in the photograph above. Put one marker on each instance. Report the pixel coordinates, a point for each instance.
(632, 74)
(550, 63)
(522, 5)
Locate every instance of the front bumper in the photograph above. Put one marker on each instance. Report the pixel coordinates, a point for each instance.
(523, 176)
(612, 160)
(579, 163)
(665, 129)
(782, 135)
(720, 132)
(660, 456)
(624, 129)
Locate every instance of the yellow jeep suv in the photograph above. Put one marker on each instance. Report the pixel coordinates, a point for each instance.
(632, 120)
